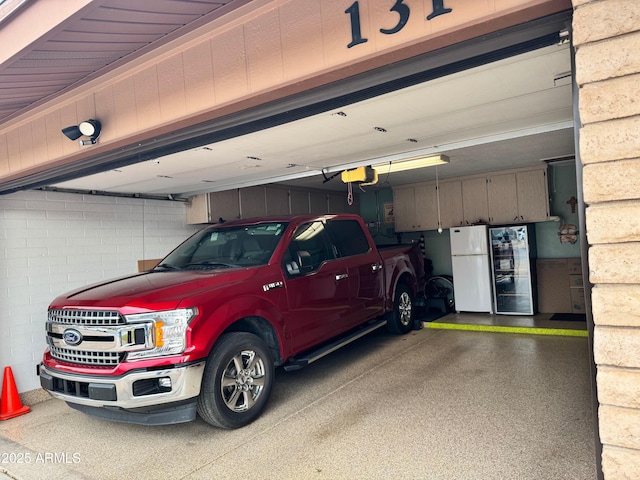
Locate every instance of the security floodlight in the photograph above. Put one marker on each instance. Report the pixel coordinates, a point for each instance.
(89, 128)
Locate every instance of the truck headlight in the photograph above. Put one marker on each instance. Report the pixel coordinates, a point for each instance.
(170, 335)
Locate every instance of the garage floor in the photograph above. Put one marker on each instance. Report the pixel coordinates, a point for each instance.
(434, 404)
(542, 320)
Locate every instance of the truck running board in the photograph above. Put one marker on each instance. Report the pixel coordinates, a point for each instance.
(297, 363)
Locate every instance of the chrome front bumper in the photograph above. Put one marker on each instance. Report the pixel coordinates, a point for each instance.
(129, 391)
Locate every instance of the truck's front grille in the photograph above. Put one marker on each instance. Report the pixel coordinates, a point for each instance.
(85, 317)
(86, 357)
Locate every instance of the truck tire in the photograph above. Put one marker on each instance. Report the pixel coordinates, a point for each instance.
(237, 381)
(400, 320)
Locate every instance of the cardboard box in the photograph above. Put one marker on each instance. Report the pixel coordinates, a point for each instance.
(574, 265)
(553, 285)
(144, 265)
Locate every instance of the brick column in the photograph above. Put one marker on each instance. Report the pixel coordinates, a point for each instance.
(606, 34)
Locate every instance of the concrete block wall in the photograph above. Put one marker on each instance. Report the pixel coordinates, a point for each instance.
(606, 35)
(53, 242)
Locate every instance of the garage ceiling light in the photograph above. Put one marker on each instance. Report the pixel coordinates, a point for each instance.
(411, 163)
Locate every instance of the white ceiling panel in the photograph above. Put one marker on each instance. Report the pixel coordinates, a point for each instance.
(502, 115)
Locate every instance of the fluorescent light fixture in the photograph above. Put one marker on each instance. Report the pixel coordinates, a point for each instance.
(411, 163)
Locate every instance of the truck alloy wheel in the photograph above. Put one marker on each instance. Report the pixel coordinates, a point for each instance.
(400, 320)
(237, 381)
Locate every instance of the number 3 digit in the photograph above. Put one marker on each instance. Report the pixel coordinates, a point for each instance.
(403, 11)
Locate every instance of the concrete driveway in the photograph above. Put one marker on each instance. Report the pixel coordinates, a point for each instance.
(434, 404)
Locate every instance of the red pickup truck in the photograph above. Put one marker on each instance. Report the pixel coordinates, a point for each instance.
(203, 331)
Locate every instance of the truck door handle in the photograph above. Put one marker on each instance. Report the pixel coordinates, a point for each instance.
(341, 276)
(376, 266)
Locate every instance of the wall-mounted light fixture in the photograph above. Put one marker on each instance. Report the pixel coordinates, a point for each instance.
(89, 128)
(410, 163)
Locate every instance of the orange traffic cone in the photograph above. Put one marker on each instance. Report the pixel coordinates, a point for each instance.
(10, 405)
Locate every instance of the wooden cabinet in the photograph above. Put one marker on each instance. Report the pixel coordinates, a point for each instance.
(198, 210)
(451, 204)
(253, 202)
(426, 207)
(502, 199)
(277, 200)
(318, 202)
(338, 203)
(533, 196)
(299, 201)
(416, 208)
(260, 201)
(404, 209)
(518, 197)
(210, 207)
(560, 288)
(475, 204)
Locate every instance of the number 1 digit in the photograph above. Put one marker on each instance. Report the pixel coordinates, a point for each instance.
(356, 34)
(438, 9)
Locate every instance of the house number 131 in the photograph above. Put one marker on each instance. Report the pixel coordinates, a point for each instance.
(400, 8)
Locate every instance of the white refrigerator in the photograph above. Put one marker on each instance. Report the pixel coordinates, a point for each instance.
(470, 259)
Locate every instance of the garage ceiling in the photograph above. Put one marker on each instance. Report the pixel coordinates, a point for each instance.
(508, 114)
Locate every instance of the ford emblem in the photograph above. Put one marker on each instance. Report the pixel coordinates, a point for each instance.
(72, 337)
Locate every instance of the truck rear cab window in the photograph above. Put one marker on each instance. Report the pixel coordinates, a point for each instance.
(347, 237)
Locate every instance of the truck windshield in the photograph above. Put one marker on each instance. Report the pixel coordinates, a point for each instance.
(224, 247)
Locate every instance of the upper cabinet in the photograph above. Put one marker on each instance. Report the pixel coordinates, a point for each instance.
(475, 204)
(415, 208)
(277, 200)
(253, 202)
(318, 202)
(502, 196)
(404, 209)
(426, 207)
(517, 196)
(260, 201)
(211, 207)
(339, 203)
(533, 195)
(451, 211)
